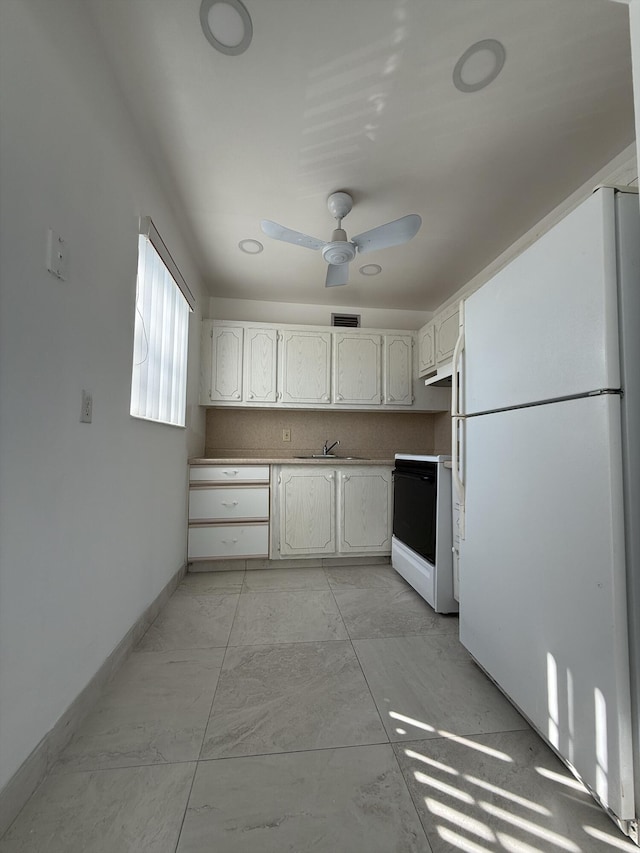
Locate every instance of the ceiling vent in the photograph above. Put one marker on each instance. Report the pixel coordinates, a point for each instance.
(348, 321)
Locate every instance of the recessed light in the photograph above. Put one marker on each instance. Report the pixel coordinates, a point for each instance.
(251, 247)
(479, 65)
(371, 269)
(226, 25)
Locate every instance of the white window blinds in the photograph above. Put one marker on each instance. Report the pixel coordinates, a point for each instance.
(159, 375)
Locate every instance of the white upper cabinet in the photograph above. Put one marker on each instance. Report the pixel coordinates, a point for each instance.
(427, 349)
(357, 369)
(446, 325)
(304, 367)
(398, 370)
(266, 365)
(260, 365)
(437, 341)
(226, 364)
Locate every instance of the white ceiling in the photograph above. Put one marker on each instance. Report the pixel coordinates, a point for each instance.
(358, 95)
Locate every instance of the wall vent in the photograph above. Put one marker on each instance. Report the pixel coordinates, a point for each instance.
(349, 321)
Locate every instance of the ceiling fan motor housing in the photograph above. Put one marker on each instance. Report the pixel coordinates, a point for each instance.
(339, 250)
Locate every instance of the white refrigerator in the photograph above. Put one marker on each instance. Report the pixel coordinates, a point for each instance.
(547, 455)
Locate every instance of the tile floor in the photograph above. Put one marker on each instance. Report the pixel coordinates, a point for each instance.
(306, 710)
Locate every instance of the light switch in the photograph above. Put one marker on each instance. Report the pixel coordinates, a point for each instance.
(86, 414)
(57, 255)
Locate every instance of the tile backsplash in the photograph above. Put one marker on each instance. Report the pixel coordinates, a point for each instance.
(369, 434)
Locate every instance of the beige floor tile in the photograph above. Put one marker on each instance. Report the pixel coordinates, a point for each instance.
(327, 801)
(365, 577)
(372, 613)
(291, 697)
(503, 792)
(130, 810)
(428, 683)
(192, 622)
(218, 583)
(286, 617)
(155, 711)
(282, 580)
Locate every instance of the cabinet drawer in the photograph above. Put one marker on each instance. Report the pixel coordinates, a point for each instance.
(220, 503)
(228, 473)
(228, 540)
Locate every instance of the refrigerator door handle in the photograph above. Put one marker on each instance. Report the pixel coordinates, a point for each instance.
(456, 418)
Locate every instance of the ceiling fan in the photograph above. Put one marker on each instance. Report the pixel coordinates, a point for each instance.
(339, 251)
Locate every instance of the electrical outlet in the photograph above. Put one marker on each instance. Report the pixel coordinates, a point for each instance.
(86, 414)
(286, 435)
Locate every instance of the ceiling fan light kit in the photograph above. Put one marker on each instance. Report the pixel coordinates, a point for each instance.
(340, 251)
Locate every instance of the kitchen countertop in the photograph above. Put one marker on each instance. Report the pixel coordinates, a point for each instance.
(248, 459)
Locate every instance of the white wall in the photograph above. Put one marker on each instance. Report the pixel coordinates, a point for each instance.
(313, 315)
(92, 518)
(634, 24)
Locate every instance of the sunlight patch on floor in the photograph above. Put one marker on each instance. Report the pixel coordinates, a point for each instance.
(461, 820)
(456, 793)
(507, 795)
(562, 780)
(437, 765)
(528, 826)
(461, 842)
(612, 841)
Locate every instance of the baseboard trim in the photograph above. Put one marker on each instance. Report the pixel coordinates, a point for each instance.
(31, 773)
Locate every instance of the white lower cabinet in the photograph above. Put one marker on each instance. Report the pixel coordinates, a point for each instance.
(307, 511)
(228, 512)
(226, 504)
(365, 508)
(216, 541)
(331, 510)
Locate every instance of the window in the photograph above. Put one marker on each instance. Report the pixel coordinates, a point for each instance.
(163, 302)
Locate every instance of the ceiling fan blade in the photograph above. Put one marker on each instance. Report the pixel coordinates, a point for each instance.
(337, 274)
(279, 232)
(392, 234)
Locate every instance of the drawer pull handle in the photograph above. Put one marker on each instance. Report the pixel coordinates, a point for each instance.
(231, 473)
(229, 503)
(229, 541)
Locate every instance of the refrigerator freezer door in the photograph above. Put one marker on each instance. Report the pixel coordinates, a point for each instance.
(546, 326)
(542, 579)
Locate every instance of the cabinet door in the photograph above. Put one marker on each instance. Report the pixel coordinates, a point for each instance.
(305, 367)
(446, 334)
(260, 365)
(307, 513)
(226, 364)
(357, 369)
(398, 373)
(365, 516)
(426, 350)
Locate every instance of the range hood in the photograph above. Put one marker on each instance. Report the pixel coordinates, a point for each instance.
(442, 377)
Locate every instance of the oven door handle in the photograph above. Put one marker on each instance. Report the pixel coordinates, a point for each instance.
(427, 478)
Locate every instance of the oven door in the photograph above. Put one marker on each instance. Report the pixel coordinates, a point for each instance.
(414, 508)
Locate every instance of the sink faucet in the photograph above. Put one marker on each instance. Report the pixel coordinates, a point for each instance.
(327, 450)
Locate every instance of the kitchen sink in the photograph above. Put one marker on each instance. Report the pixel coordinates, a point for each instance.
(329, 456)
